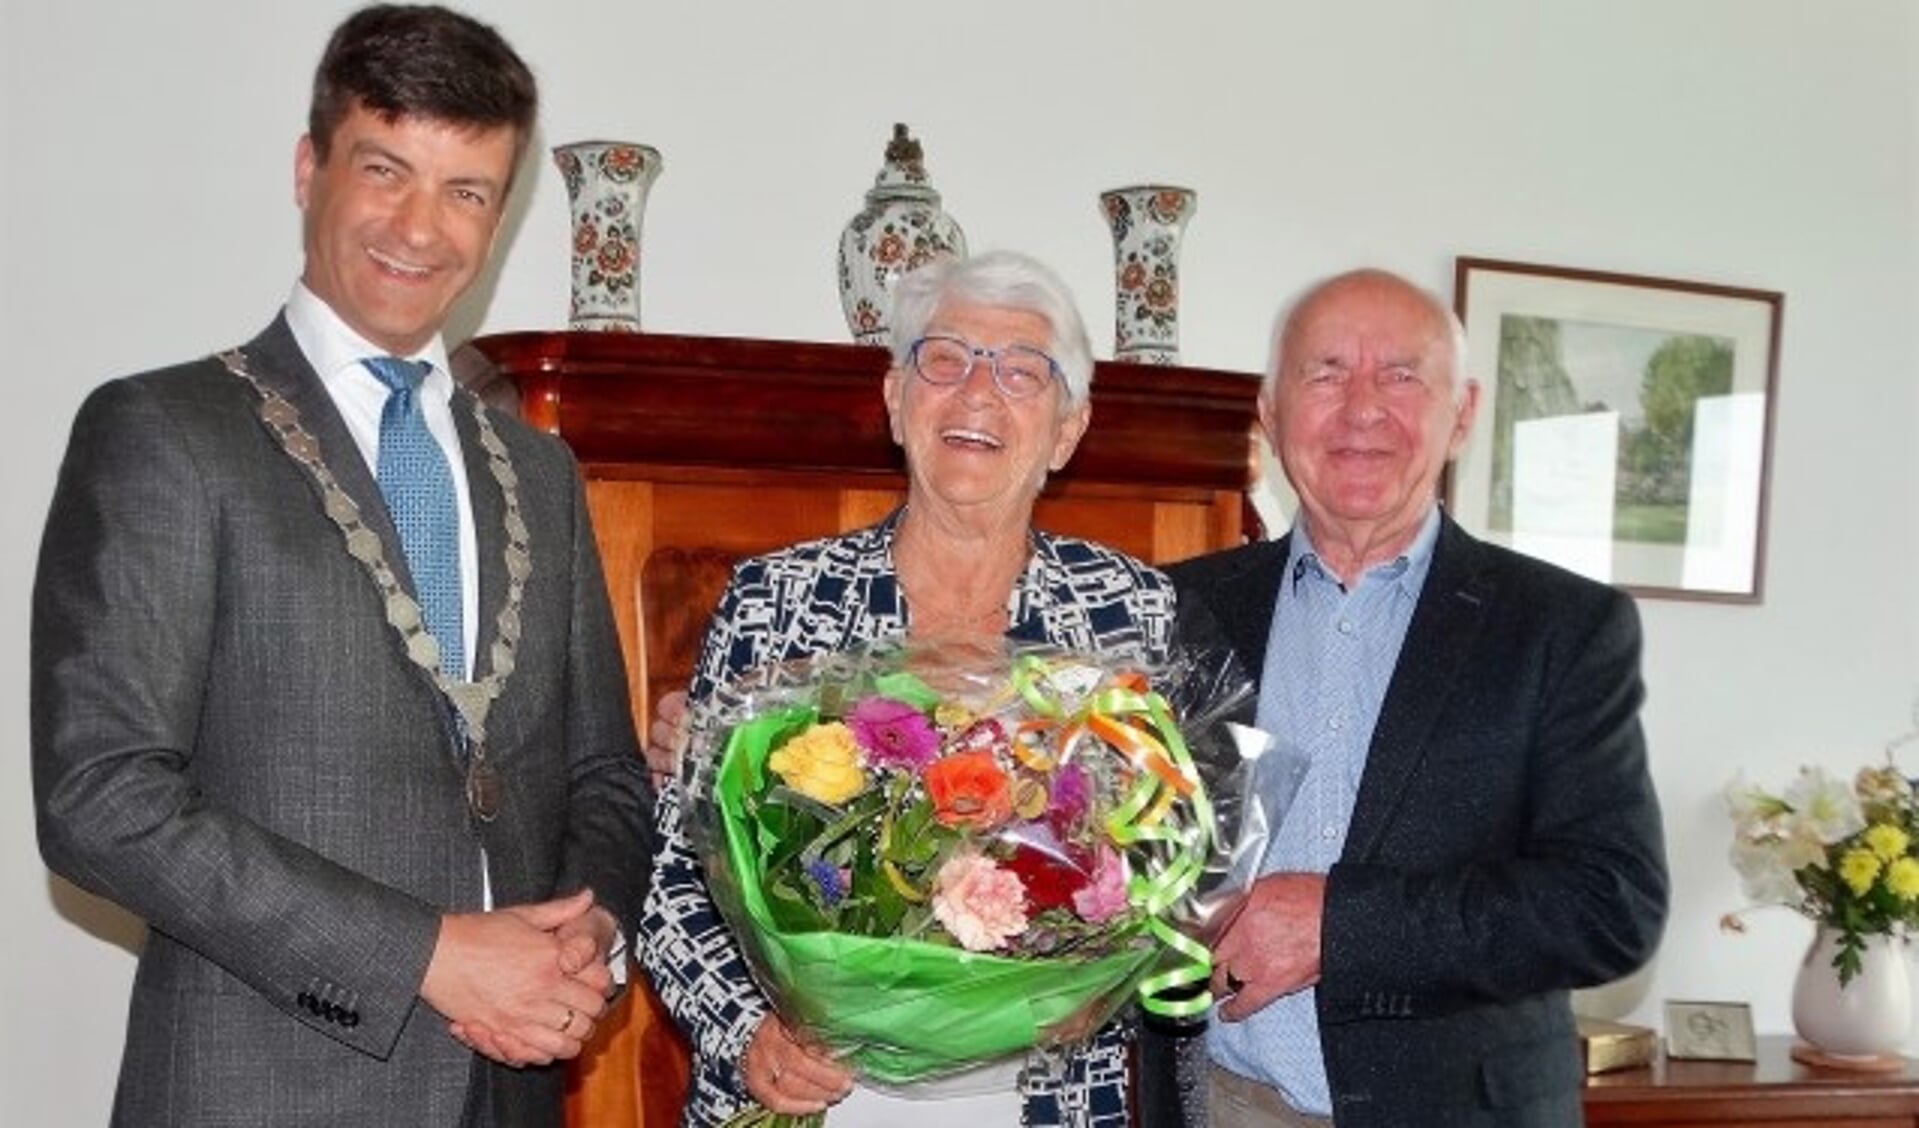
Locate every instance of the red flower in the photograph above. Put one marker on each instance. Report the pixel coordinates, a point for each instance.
(1050, 881)
(969, 790)
(622, 162)
(616, 256)
(1168, 205)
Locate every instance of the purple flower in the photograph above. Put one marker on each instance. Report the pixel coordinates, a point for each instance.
(893, 734)
(1071, 793)
(830, 879)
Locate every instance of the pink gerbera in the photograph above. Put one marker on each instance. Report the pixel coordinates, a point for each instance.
(1104, 897)
(893, 734)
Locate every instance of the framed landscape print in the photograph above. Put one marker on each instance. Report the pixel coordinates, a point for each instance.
(1624, 426)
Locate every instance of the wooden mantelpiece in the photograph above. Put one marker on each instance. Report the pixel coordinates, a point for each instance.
(790, 405)
(1773, 1092)
(700, 450)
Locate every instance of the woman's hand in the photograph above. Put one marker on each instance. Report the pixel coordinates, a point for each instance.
(788, 1076)
(666, 737)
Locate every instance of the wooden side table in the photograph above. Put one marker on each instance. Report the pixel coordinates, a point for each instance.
(1775, 1091)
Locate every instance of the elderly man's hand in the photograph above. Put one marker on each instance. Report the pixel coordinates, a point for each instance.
(1272, 947)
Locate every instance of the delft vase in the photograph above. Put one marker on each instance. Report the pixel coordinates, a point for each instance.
(901, 228)
(1147, 221)
(607, 182)
(1869, 1016)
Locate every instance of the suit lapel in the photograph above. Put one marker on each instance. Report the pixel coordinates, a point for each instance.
(1446, 622)
(489, 517)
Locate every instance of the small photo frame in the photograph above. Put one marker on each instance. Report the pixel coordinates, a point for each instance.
(1624, 426)
(1709, 1031)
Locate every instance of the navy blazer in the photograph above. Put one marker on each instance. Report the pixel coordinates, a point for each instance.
(1505, 844)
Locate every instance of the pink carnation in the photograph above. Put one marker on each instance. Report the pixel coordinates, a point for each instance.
(1104, 897)
(982, 905)
(893, 734)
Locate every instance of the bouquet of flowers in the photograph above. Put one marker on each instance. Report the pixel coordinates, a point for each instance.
(934, 857)
(1847, 857)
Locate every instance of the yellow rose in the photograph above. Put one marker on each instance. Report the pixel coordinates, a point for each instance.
(1887, 841)
(821, 763)
(1858, 868)
(1902, 877)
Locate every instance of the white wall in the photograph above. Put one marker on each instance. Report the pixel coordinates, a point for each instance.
(146, 216)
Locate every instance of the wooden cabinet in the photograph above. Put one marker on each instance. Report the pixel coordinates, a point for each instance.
(699, 450)
(1773, 1092)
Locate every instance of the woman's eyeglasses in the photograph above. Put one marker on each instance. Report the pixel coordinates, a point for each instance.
(1019, 372)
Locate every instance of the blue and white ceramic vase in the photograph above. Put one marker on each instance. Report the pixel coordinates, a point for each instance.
(900, 228)
(607, 183)
(1147, 221)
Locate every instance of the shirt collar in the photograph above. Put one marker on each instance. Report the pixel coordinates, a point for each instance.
(335, 350)
(1406, 571)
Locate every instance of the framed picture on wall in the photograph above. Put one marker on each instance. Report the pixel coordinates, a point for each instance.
(1625, 425)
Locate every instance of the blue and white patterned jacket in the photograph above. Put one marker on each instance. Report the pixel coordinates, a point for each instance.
(824, 596)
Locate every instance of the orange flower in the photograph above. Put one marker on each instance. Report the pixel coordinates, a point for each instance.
(969, 789)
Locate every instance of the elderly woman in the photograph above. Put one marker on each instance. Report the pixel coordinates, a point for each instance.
(987, 393)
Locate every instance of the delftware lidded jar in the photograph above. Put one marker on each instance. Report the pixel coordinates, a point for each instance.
(901, 228)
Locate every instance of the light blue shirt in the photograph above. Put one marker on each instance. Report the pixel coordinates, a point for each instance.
(1330, 656)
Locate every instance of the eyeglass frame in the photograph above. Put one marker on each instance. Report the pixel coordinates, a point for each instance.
(973, 354)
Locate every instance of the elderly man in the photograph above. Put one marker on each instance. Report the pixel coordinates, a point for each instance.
(1477, 833)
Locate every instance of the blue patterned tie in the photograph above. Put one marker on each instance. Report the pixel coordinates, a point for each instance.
(418, 488)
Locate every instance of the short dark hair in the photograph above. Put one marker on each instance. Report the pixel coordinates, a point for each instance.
(421, 61)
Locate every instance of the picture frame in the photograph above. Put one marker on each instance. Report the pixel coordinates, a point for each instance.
(1624, 427)
(1709, 1031)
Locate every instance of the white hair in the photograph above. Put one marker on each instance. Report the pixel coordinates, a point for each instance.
(1006, 279)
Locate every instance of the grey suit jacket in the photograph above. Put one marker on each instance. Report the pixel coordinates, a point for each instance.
(1505, 844)
(229, 742)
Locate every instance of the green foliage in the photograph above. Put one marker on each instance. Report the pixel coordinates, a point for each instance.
(1656, 458)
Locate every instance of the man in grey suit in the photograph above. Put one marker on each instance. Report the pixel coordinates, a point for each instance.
(1476, 833)
(386, 873)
